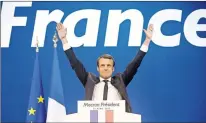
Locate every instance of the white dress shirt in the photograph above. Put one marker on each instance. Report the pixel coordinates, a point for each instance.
(98, 92)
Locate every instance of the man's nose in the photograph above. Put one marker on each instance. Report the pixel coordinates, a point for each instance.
(105, 68)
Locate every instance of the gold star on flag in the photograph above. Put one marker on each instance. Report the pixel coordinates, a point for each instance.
(40, 99)
(32, 111)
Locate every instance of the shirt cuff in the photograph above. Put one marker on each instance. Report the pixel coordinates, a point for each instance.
(144, 48)
(66, 46)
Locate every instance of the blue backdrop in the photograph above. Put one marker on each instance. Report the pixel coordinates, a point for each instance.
(170, 85)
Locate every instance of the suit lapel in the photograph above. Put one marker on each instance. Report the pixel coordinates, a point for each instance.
(97, 80)
(117, 85)
(91, 82)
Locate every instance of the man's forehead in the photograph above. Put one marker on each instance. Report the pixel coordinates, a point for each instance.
(104, 60)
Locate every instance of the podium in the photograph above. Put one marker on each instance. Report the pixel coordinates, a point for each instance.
(102, 111)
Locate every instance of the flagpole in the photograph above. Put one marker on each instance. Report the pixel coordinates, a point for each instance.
(55, 39)
(37, 44)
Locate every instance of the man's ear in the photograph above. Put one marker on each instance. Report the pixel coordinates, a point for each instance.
(113, 69)
(97, 68)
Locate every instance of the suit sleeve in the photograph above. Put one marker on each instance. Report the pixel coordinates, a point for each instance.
(132, 67)
(77, 66)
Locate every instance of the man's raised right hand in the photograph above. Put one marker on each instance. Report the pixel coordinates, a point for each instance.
(62, 32)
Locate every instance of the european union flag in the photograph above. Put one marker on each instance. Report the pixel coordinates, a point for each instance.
(36, 111)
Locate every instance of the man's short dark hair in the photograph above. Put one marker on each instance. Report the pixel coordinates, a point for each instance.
(106, 56)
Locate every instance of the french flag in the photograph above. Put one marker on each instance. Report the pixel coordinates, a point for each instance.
(56, 111)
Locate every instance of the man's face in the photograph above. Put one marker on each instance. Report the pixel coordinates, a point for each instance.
(105, 68)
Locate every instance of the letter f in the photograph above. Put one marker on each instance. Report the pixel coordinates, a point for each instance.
(8, 20)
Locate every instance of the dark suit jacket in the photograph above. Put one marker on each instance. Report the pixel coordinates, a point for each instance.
(119, 81)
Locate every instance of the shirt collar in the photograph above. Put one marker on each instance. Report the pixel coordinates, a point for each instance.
(101, 79)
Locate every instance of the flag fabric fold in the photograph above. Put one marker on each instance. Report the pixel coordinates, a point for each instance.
(36, 111)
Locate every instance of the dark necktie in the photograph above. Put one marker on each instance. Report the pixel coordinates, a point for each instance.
(105, 89)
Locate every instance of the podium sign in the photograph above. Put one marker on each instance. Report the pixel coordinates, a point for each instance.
(102, 111)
